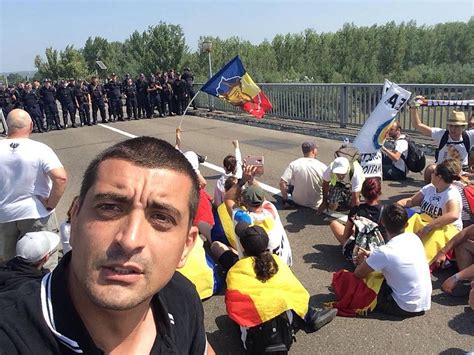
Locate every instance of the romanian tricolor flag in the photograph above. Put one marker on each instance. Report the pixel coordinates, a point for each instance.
(234, 85)
(251, 302)
(355, 296)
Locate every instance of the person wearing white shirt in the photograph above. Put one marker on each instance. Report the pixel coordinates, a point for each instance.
(393, 163)
(406, 290)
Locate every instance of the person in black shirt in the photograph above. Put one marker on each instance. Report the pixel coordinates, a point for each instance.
(142, 95)
(65, 95)
(97, 93)
(154, 89)
(130, 91)
(114, 91)
(48, 97)
(118, 289)
(82, 98)
(188, 77)
(31, 103)
(180, 94)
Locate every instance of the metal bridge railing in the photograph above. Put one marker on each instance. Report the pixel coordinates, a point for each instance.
(349, 104)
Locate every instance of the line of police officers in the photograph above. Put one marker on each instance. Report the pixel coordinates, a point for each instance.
(167, 92)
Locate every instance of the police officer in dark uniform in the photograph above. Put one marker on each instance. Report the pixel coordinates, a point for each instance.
(97, 93)
(189, 79)
(81, 101)
(19, 92)
(65, 95)
(180, 94)
(165, 94)
(130, 91)
(6, 100)
(114, 90)
(85, 106)
(31, 104)
(154, 98)
(142, 95)
(47, 95)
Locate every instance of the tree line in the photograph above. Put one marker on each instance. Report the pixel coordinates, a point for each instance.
(404, 53)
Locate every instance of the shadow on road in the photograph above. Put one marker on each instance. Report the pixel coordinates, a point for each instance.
(226, 337)
(463, 323)
(328, 257)
(453, 351)
(299, 218)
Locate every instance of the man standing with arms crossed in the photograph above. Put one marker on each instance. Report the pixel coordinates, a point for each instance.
(117, 291)
(32, 181)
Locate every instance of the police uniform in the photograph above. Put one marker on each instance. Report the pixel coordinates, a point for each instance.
(142, 96)
(48, 98)
(180, 95)
(31, 103)
(189, 79)
(131, 100)
(97, 96)
(114, 91)
(66, 98)
(165, 96)
(6, 101)
(154, 98)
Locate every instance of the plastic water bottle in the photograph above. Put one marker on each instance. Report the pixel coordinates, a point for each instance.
(346, 141)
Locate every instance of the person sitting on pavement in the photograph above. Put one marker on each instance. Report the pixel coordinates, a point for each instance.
(393, 163)
(406, 290)
(441, 206)
(463, 244)
(254, 210)
(262, 288)
(232, 167)
(303, 178)
(370, 208)
(455, 135)
(466, 214)
(32, 253)
(342, 183)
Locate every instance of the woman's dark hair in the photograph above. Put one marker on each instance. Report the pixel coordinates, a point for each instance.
(371, 188)
(449, 170)
(230, 182)
(254, 240)
(230, 163)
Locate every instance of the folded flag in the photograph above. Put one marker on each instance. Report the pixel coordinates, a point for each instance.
(425, 102)
(251, 302)
(234, 85)
(355, 296)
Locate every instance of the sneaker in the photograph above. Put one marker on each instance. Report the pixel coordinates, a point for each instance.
(318, 318)
(201, 158)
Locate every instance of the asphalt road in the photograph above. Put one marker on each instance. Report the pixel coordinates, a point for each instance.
(448, 328)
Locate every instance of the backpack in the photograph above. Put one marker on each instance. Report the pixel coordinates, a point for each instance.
(368, 237)
(415, 159)
(348, 151)
(444, 140)
(273, 336)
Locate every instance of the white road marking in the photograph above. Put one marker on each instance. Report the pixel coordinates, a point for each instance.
(211, 166)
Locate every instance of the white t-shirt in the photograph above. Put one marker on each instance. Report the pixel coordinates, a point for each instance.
(357, 177)
(219, 190)
(401, 146)
(434, 203)
(306, 175)
(437, 134)
(403, 264)
(24, 167)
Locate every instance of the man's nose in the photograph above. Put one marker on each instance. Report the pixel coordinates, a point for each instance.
(132, 233)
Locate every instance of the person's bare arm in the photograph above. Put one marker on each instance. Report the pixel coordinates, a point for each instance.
(393, 155)
(458, 239)
(417, 124)
(450, 216)
(284, 189)
(362, 270)
(59, 179)
(355, 200)
(415, 200)
(324, 203)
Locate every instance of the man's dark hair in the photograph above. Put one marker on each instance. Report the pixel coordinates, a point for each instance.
(394, 218)
(147, 152)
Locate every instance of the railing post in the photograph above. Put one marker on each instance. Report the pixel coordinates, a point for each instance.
(343, 107)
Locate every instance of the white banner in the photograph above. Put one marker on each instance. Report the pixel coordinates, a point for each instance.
(372, 135)
(371, 164)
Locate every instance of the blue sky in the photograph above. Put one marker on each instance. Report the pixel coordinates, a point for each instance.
(27, 27)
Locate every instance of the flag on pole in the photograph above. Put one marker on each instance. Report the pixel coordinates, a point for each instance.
(234, 85)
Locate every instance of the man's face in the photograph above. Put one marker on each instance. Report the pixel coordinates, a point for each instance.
(130, 234)
(393, 131)
(455, 131)
(340, 177)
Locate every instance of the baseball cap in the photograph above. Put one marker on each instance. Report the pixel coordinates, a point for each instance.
(307, 147)
(253, 195)
(254, 239)
(34, 246)
(340, 166)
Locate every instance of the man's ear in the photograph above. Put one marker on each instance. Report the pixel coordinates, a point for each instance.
(188, 246)
(73, 212)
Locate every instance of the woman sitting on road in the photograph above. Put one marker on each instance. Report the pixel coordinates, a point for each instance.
(441, 206)
(370, 209)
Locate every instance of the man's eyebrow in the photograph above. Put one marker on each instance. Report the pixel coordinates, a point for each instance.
(112, 196)
(166, 207)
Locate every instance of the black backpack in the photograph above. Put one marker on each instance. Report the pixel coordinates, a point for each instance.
(444, 140)
(273, 336)
(415, 159)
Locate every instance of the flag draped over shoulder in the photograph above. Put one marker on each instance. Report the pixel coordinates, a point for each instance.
(355, 296)
(234, 85)
(251, 302)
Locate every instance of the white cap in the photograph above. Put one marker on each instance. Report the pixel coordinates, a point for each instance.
(34, 246)
(340, 166)
(193, 160)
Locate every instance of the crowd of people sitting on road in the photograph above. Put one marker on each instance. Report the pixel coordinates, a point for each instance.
(160, 94)
(391, 249)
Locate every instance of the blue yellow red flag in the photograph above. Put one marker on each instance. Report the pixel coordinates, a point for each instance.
(234, 85)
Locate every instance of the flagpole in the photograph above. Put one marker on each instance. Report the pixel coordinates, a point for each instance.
(187, 107)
